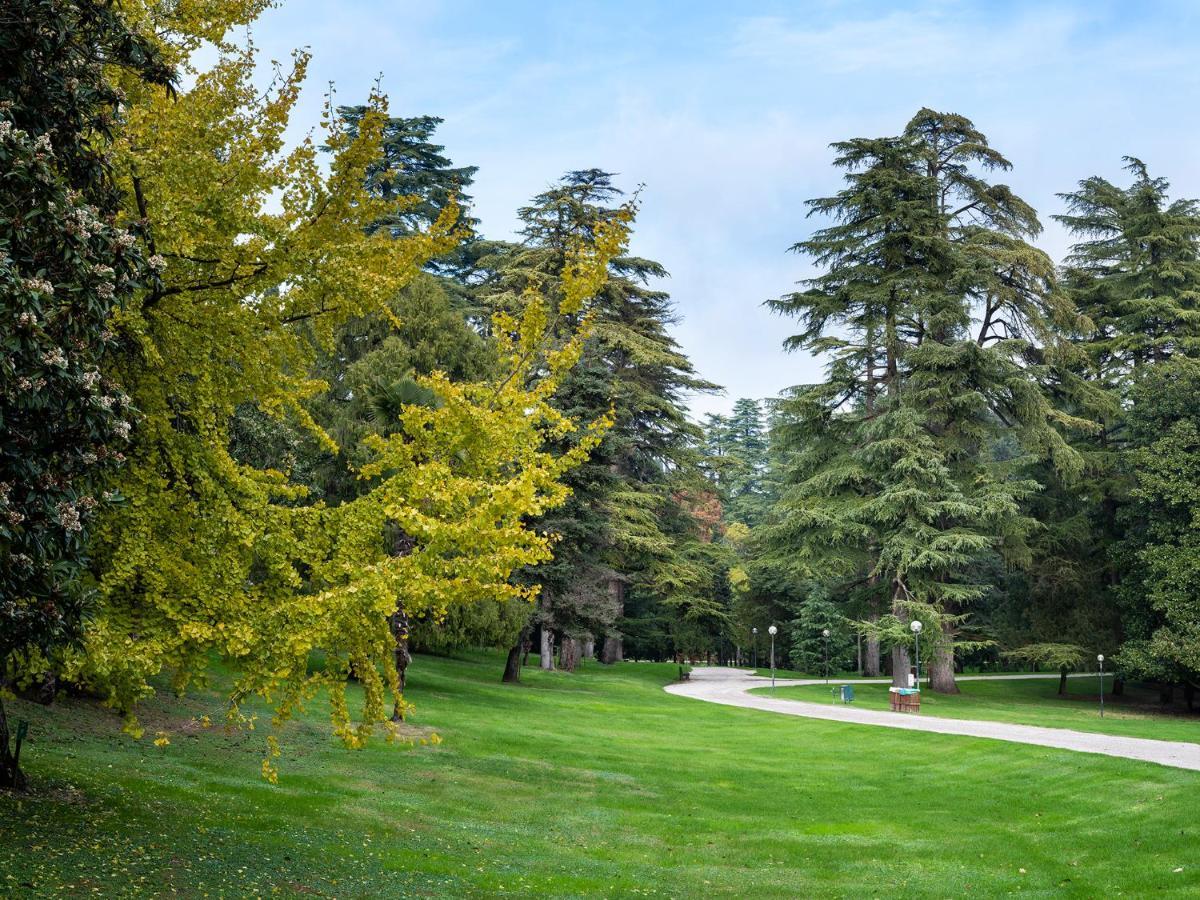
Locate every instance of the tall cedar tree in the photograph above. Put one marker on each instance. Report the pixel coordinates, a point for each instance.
(1135, 275)
(735, 455)
(894, 483)
(610, 535)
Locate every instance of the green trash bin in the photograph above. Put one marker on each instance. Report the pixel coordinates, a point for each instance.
(847, 693)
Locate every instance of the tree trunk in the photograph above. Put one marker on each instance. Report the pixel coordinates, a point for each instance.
(900, 666)
(871, 662)
(1062, 680)
(512, 665)
(941, 671)
(568, 653)
(589, 648)
(398, 622)
(546, 660)
(11, 775)
(614, 650)
(402, 544)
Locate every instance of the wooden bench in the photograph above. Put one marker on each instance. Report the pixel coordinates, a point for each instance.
(684, 675)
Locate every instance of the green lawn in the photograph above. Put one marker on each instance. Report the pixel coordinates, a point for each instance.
(595, 783)
(1035, 702)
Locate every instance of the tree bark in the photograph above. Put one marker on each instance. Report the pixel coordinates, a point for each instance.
(871, 660)
(589, 648)
(568, 653)
(516, 654)
(941, 671)
(614, 649)
(546, 660)
(1062, 680)
(900, 666)
(11, 775)
(398, 621)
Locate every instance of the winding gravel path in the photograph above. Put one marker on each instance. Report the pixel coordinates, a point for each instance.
(730, 687)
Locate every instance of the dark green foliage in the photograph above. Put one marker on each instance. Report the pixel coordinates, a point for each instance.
(1159, 553)
(1135, 275)
(735, 455)
(892, 479)
(808, 649)
(64, 268)
(616, 531)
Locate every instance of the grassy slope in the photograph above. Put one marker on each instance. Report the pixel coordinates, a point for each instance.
(595, 783)
(1035, 702)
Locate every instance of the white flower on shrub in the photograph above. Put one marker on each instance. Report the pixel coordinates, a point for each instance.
(39, 285)
(68, 517)
(55, 358)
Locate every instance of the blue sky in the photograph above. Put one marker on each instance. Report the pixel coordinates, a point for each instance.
(724, 111)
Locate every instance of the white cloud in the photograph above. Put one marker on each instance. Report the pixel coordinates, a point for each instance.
(931, 38)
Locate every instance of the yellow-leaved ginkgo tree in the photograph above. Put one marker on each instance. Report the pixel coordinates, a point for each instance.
(262, 247)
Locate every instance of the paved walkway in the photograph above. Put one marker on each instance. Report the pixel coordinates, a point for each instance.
(730, 687)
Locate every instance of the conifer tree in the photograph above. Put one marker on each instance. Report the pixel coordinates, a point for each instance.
(1135, 275)
(893, 484)
(610, 531)
(745, 463)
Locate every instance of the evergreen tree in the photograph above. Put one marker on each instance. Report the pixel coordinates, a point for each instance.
(610, 532)
(1135, 275)
(893, 484)
(65, 268)
(809, 650)
(1159, 552)
(743, 488)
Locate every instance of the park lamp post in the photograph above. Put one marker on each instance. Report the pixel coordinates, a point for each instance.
(754, 632)
(916, 627)
(772, 631)
(1100, 659)
(825, 634)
